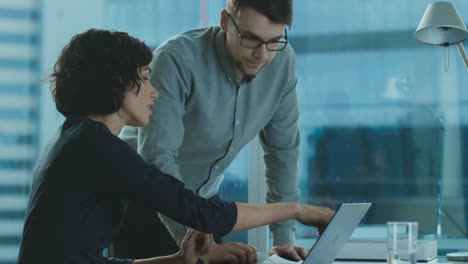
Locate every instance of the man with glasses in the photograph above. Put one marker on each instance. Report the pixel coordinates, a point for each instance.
(219, 88)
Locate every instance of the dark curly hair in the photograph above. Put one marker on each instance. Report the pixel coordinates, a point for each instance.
(95, 69)
(278, 11)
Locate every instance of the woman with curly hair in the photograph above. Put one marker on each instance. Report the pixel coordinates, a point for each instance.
(86, 173)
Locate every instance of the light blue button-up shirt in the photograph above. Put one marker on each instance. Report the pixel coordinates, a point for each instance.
(205, 115)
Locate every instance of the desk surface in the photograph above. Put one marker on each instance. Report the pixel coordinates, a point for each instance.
(438, 260)
(277, 260)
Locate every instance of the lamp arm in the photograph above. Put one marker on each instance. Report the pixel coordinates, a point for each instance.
(462, 52)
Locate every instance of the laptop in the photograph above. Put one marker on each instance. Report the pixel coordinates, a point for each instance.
(328, 245)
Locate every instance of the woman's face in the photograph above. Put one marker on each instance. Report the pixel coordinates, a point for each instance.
(136, 107)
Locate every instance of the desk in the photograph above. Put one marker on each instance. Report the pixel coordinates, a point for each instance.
(277, 260)
(442, 259)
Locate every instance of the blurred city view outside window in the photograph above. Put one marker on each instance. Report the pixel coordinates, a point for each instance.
(381, 120)
(19, 65)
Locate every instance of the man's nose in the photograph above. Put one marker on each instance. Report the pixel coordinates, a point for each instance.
(261, 52)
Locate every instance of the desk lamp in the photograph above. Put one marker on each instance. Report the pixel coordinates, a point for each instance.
(442, 25)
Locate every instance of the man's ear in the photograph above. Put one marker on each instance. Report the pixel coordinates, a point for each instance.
(224, 20)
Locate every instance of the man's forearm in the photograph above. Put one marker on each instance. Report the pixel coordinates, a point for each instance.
(283, 233)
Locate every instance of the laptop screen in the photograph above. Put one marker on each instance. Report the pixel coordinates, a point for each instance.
(328, 245)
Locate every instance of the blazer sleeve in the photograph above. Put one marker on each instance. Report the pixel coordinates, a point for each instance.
(127, 176)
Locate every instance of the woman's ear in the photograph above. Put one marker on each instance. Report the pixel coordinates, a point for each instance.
(224, 20)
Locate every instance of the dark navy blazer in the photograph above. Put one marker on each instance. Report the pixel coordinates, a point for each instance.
(80, 187)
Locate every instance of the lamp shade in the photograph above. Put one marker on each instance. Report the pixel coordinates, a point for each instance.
(441, 25)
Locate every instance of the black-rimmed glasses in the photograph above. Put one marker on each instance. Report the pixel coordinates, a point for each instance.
(253, 43)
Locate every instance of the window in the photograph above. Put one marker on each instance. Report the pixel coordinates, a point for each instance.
(381, 120)
(19, 66)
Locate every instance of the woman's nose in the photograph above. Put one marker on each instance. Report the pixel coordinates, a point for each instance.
(154, 93)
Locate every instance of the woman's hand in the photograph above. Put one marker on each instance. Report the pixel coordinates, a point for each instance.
(194, 245)
(315, 216)
(289, 252)
(232, 253)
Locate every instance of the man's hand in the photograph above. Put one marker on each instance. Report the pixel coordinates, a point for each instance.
(194, 245)
(232, 253)
(289, 252)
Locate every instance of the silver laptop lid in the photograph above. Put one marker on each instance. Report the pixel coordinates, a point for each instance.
(328, 245)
